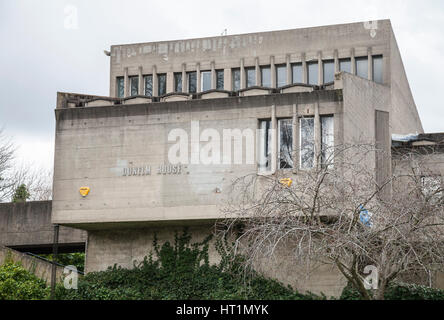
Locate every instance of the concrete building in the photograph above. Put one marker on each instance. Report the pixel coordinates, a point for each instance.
(316, 86)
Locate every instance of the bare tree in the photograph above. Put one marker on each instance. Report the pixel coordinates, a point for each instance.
(341, 213)
(6, 157)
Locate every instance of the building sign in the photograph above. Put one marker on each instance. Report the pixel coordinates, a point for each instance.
(164, 169)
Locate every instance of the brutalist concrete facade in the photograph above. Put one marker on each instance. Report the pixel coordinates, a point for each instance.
(98, 139)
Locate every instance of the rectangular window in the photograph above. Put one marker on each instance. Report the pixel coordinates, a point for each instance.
(134, 85)
(306, 143)
(281, 76)
(161, 81)
(328, 140)
(236, 79)
(120, 87)
(192, 82)
(251, 77)
(264, 149)
(266, 77)
(362, 67)
(220, 79)
(345, 65)
(296, 73)
(328, 71)
(178, 82)
(285, 142)
(148, 85)
(313, 75)
(377, 69)
(205, 81)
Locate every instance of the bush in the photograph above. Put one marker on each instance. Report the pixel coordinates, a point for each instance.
(16, 283)
(179, 271)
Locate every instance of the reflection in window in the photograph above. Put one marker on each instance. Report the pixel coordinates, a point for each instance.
(296, 71)
(362, 67)
(251, 77)
(307, 146)
(192, 82)
(328, 140)
(220, 79)
(236, 79)
(285, 141)
(329, 71)
(313, 73)
(377, 69)
(134, 85)
(345, 65)
(205, 81)
(266, 77)
(178, 82)
(148, 85)
(161, 80)
(264, 149)
(120, 87)
(281, 76)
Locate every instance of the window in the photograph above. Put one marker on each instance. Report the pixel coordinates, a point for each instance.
(362, 67)
(306, 143)
(205, 81)
(328, 139)
(236, 79)
(264, 149)
(285, 142)
(328, 71)
(345, 65)
(134, 85)
(220, 79)
(313, 73)
(149, 85)
(178, 82)
(281, 76)
(297, 73)
(161, 80)
(251, 76)
(192, 82)
(266, 76)
(377, 69)
(431, 187)
(120, 87)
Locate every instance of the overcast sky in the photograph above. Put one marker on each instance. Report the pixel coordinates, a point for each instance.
(39, 55)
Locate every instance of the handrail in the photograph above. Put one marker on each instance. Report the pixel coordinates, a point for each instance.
(52, 262)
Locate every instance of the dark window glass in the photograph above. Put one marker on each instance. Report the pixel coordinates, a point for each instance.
(178, 82)
(281, 76)
(205, 81)
(345, 65)
(329, 71)
(220, 79)
(362, 67)
(306, 126)
(266, 76)
(161, 81)
(264, 151)
(120, 87)
(285, 143)
(251, 77)
(313, 73)
(236, 79)
(134, 85)
(377, 69)
(149, 85)
(192, 82)
(296, 72)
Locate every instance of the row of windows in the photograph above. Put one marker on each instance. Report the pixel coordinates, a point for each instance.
(297, 76)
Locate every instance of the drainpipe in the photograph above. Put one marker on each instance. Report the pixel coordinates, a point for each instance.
(55, 249)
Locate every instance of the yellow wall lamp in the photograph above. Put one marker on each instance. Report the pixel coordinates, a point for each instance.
(84, 191)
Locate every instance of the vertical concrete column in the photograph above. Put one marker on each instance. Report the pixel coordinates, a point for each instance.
(317, 135)
(140, 80)
(198, 77)
(184, 78)
(353, 61)
(258, 71)
(170, 82)
(370, 64)
(273, 72)
(336, 57)
(287, 60)
(274, 139)
(320, 69)
(155, 84)
(228, 80)
(213, 75)
(242, 74)
(295, 137)
(125, 83)
(304, 69)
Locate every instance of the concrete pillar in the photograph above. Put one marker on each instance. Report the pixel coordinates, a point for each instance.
(336, 57)
(213, 75)
(184, 78)
(353, 61)
(274, 140)
(287, 58)
(317, 135)
(170, 82)
(198, 77)
(228, 80)
(320, 69)
(273, 72)
(258, 72)
(242, 74)
(295, 137)
(141, 84)
(370, 64)
(125, 83)
(304, 69)
(155, 82)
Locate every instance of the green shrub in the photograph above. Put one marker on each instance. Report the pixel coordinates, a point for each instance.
(16, 283)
